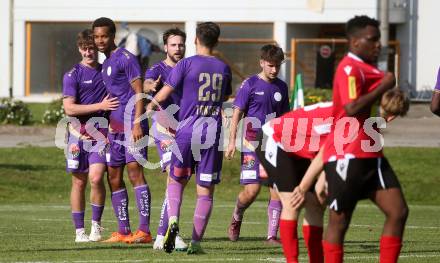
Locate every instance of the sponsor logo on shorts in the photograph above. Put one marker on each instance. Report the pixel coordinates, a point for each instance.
(72, 164)
(165, 145)
(104, 150)
(248, 174)
(74, 150)
(207, 177)
(248, 161)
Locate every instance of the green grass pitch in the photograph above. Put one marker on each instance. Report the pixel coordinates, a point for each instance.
(35, 223)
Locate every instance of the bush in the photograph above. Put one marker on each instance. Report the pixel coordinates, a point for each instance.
(54, 112)
(14, 112)
(315, 95)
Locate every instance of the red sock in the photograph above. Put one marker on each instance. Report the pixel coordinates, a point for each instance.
(333, 253)
(289, 239)
(313, 239)
(390, 249)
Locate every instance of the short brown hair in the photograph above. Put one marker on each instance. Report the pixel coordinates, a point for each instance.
(85, 39)
(272, 53)
(208, 34)
(395, 102)
(173, 32)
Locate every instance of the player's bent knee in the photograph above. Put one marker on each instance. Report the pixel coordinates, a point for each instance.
(251, 191)
(400, 214)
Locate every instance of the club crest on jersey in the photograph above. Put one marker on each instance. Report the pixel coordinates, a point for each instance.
(277, 96)
(248, 161)
(74, 150)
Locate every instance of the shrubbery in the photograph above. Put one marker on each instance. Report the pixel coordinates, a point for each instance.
(14, 112)
(314, 95)
(54, 112)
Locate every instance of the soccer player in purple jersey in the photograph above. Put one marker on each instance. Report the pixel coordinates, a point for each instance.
(261, 97)
(84, 97)
(122, 77)
(205, 82)
(174, 46)
(435, 102)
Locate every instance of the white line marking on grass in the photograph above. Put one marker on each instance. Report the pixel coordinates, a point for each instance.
(219, 205)
(246, 222)
(356, 257)
(271, 259)
(411, 227)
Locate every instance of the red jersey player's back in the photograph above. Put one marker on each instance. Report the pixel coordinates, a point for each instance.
(353, 78)
(303, 131)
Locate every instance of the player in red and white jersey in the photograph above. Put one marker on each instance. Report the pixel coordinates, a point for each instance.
(310, 125)
(353, 161)
(293, 140)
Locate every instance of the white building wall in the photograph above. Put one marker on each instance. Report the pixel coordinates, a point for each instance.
(428, 48)
(189, 12)
(4, 48)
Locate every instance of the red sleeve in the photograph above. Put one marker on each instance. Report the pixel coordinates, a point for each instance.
(350, 82)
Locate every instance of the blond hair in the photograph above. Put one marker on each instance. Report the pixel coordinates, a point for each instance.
(395, 102)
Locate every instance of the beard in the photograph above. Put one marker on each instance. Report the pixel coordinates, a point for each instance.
(175, 58)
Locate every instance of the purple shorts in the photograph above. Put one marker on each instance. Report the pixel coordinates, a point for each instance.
(208, 168)
(80, 155)
(250, 169)
(119, 155)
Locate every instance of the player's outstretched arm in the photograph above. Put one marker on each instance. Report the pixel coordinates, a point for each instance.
(73, 109)
(435, 102)
(236, 117)
(312, 173)
(363, 102)
(150, 85)
(160, 97)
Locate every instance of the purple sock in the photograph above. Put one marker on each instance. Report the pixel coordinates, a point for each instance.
(143, 201)
(120, 207)
(174, 195)
(273, 217)
(97, 212)
(201, 216)
(239, 210)
(78, 219)
(163, 220)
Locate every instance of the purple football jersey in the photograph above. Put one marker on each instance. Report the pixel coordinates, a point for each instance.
(163, 70)
(437, 84)
(258, 98)
(204, 83)
(118, 72)
(85, 85)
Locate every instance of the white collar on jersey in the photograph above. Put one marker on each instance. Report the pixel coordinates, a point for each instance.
(353, 56)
